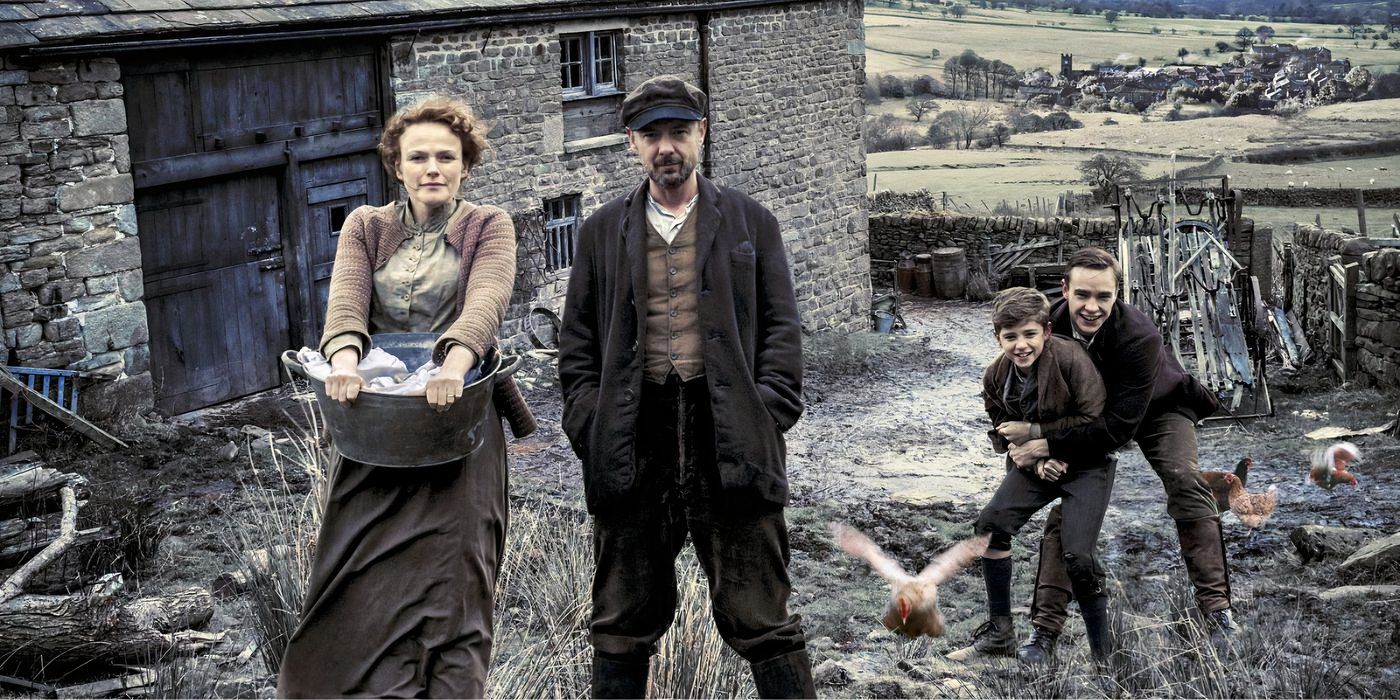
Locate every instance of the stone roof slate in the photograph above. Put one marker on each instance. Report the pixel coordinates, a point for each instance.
(41, 24)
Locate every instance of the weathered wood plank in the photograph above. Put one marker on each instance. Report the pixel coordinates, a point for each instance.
(72, 420)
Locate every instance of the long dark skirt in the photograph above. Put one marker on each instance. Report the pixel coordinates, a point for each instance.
(400, 599)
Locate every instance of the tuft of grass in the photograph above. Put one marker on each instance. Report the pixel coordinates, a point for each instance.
(543, 604)
(1165, 651)
(282, 532)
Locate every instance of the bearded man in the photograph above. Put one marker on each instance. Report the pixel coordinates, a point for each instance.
(680, 358)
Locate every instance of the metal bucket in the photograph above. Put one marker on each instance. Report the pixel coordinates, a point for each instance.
(404, 431)
(884, 322)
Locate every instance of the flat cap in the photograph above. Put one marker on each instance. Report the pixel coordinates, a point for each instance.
(663, 97)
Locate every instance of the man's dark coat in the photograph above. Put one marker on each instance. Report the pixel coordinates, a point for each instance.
(749, 326)
(1141, 377)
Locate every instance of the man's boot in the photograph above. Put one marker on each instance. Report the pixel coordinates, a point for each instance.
(1039, 649)
(1097, 627)
(1222, 626)
(786, 676)
(1203, 550)
(615, 677)
(995, 637)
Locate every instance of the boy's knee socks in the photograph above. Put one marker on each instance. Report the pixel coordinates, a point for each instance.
(997, 574)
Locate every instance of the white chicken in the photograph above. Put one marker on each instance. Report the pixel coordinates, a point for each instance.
(913, 607)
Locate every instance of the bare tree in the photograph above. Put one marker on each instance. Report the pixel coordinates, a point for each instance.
(919, 108)
(965, 122)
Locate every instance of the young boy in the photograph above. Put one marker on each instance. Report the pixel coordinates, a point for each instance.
(1038, 384)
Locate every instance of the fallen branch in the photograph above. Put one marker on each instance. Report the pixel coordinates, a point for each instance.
(74, 629)
(69, 533)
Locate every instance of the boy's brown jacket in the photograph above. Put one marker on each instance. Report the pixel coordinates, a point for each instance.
(1069, 389)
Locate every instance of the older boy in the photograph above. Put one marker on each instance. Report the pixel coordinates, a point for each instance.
(1041, 383)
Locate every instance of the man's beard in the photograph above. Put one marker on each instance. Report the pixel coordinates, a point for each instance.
(669, 181)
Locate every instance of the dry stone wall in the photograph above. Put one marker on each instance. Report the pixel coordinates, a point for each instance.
(1312, 248)
(70, 264)
(1378, 318)
(895, 237)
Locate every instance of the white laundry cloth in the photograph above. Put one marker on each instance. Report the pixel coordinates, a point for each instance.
(383, 373)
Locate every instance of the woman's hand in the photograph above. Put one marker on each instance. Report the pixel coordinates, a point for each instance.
(344, 382)
(445, 387)
(1016, 431)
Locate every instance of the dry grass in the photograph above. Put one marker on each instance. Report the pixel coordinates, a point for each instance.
(543, 606)
(542, 602)
(288, 520)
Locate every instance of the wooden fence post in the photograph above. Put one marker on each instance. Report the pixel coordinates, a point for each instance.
(1361, 211)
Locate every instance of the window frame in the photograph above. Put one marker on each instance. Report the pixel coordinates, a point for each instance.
(588, 58)
(561, 233)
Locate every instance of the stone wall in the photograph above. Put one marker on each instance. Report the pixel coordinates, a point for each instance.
(1312, 247)
(895, 237)
(1378, 318)
(786, 116)
(1334, 197)
(786, 89)
(70, 265)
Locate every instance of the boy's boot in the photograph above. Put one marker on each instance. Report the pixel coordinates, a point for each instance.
(1098, 628)
(786, 676)
(615, 677)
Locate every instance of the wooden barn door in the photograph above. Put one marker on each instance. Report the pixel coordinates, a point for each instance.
(215, 301)
(246, 163)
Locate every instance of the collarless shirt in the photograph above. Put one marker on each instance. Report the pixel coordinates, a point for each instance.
(665, 223)
(416, 289)
(1021, 392)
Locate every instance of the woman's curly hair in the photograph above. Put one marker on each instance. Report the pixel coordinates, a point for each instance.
(451, 112)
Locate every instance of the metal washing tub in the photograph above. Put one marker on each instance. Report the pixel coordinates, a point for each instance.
(404, 431)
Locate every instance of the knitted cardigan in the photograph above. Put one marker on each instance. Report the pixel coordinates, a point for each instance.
(484, 237)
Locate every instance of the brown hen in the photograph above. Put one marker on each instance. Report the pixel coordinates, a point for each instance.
(1253, 509)
(1221, 488)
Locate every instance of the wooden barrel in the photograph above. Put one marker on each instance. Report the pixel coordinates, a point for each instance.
(923, 274)
(904, 276)
(950, 272)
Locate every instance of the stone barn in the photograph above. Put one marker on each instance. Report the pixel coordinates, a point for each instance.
(174, 173)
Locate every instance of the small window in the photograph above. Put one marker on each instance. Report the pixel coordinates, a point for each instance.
(337, 219)
(588, 63)
(561, 220)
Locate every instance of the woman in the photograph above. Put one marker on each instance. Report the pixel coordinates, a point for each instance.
(399, 602)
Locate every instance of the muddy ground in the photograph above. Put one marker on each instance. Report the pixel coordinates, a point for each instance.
(893, 441)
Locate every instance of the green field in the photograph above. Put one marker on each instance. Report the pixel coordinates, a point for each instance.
(900, 42)
(1040, 166)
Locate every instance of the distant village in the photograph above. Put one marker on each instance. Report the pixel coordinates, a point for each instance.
(1260, 78)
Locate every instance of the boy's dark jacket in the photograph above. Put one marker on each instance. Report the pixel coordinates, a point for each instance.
(1141, 379)
(1069, 391)
(749, 325)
